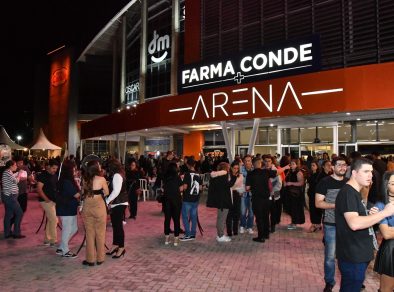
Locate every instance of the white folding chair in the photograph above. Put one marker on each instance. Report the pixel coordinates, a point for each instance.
(144, 188)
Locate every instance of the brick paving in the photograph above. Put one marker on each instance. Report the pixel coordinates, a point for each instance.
(288, 261)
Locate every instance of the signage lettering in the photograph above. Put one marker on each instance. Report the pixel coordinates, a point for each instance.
(299, 57)
(220, 101)
(132, 88)
(159, 44)
(257, 97)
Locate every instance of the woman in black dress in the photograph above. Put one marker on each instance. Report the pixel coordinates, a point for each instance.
(294, 184)
(173, 187)
(314, 213)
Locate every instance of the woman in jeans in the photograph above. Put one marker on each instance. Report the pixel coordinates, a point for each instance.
(66, 207)
(234, 214)
(10, 198)
(219, 196)
(94, 213)
(117, 201)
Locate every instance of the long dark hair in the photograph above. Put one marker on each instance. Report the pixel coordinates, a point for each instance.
(385, 190)
(67, 173)
(114, 166)
(92, 169)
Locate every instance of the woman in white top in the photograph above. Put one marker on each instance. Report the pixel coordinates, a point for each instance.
(237, 190)
(117, 201)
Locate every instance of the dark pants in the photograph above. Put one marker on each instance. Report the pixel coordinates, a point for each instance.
(315, 213)
(352, 275)
(261, 209)
(296, 209)
(234, 214)
(22, 199)
(12, 210)
(117, 214)
(133, 199)
(275, 212)
(172, 210)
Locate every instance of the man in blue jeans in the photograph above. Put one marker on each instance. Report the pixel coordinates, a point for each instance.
(356, 238)
(326, 192)
(246, 200)
(191, 195)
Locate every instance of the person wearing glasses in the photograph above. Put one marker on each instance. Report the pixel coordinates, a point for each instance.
(326, 193)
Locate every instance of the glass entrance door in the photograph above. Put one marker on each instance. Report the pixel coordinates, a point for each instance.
(315, 150)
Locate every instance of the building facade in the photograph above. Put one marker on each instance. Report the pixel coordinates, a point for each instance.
(247, 76)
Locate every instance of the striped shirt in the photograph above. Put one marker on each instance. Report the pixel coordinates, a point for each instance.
(10, 183)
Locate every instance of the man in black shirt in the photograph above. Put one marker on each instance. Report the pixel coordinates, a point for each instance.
(46, 189)
(257, 183)
(326, 192)
(355, 238)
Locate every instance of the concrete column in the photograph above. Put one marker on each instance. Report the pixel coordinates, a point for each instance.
(174, 47)
(123, 64)
(124, 149)
(335, 139)
(253, 136)
(171, 146)
(230, 155)
(117, 147)
(232, 140)
(114, 74)
(81, 150)
(279, 141)
(143, 50)
(141, 145)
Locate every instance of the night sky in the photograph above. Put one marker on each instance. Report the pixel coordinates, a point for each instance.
(30, 30)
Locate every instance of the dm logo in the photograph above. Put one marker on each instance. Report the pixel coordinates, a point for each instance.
(157, 45)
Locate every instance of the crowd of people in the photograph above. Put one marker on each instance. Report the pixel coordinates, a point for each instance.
(348, 198)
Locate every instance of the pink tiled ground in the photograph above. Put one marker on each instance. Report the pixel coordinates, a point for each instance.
(288, 261)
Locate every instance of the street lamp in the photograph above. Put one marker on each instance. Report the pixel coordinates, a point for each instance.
(19, 138)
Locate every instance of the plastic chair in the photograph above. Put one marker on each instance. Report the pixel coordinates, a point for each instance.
(144, 188)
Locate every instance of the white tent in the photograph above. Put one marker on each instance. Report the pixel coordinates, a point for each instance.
(42, 143)
(5, 139)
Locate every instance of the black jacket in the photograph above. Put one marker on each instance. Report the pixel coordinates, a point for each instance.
(219, 193)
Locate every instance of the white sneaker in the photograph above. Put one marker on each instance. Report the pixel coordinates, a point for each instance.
(250, 231)
(242, 230)
(228, 238)
(224, 238)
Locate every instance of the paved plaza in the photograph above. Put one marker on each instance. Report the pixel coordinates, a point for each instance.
(288, 261)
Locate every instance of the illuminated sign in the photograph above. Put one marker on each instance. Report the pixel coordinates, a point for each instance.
(296, 57)
(59, 77)
(250, 99)
(132, 88)
(159, 45)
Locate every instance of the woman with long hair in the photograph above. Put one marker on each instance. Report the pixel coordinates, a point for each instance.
(133, 175)
(9, 196)
(67, 206)
(294, 184)
(314, 213)
(384, 262)
(117, 201)
(234, 214)
(94, 213)
(219, 197)
(173, 186)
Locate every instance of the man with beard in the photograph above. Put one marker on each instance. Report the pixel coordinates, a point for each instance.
(326, 192)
